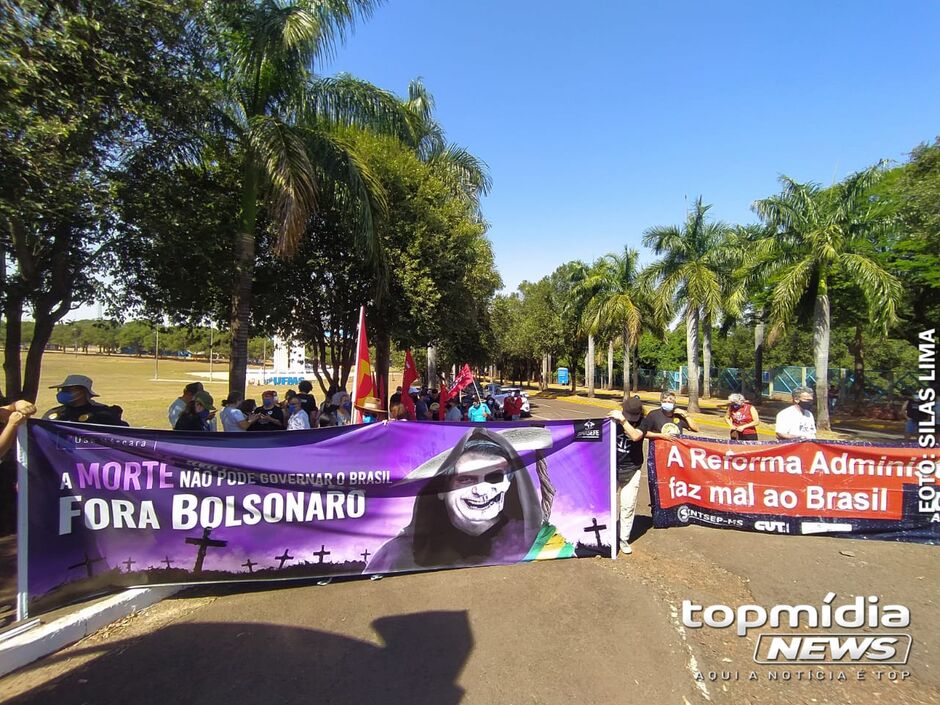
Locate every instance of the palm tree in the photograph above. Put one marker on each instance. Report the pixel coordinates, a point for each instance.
(283, 118)
(687, 278)
(818, 234)
(618, 303)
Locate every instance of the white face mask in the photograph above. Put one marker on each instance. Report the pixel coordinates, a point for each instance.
(478, 492)
(668, 406)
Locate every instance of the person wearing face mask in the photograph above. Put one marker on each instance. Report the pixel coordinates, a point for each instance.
(343, 413)
(668, 421)
(197, 413)
(299, 419)
(269, 416)
(76, 404)
(796, 422)
(742, 418)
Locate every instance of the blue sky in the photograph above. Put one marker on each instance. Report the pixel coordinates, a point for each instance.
(599, 119)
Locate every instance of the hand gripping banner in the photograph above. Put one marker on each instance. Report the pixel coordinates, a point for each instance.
(111, 507)
(848, 489)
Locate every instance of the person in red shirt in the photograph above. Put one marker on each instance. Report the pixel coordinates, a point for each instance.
(512, 407)
(742, 418)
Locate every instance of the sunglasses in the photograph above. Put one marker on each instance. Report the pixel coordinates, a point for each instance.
(492, 478)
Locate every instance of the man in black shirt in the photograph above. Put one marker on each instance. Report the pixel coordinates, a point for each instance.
(667, 421)
(268, 416)
(75, 399)
(629, 464)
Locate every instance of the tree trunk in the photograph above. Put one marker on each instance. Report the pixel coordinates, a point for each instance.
(244, 278)
(610, 365)
(626, 363)
(573, 373)
(691, 350)
(858, 354)
(821, 329)
(707, 356)
(13, 310)
(37, 346)
(759, 357)
(636, 366)
(589, 366)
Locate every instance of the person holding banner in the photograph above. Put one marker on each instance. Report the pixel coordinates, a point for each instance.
(668, 420)
(479, 412)
(11, 416)
(629, 462)
(796, 422)
(742, 418)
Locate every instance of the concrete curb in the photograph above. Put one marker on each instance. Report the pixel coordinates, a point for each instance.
(49, 638)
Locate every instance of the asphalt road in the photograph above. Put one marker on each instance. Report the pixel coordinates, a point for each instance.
(578, 631)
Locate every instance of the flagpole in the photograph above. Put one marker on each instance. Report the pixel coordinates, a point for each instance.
(355, 389)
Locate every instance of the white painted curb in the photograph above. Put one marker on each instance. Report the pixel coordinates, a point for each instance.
(48, 638)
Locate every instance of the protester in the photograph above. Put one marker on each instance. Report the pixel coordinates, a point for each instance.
(233, 418)
(796, 421)
(309, 401)
(478, 411)
(512, 406)
(629, 464)
(454, 412)
(421, 406)
(75, 399)
(247, 407)
(833, 397)
(396, 397)
(343, 413)
(327, 416)
(914, 415)
(742, 418)
(269, 416)
(668, 420)
(433, 410)
(397, 412)
(299, 419)
(13, 415)
(179, 404)
(196, 415)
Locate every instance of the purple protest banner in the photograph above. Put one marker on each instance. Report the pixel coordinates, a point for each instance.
(112, 507)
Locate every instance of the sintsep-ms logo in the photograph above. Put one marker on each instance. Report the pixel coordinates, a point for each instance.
(840, 644)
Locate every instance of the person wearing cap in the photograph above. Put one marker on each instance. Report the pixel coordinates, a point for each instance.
(479, 505)
(269, 416)
(181, 402)
(629, 464)
(76, 404)
(196, 415)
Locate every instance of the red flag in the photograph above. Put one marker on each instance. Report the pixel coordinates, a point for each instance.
(410, 375)
(362, 380)
(463, 378)
(442, 410)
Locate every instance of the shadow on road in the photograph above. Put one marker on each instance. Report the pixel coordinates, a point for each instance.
(422, 656)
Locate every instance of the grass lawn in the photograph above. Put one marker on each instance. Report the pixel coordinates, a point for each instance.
(128, 382)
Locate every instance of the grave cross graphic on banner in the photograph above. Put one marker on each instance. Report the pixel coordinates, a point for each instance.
(128, 563)
(250, 564)
(168, 561)
(322, 553)
(88, 563)
(596, 529)
(283, 558)
(365, 555)
(203, 544)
